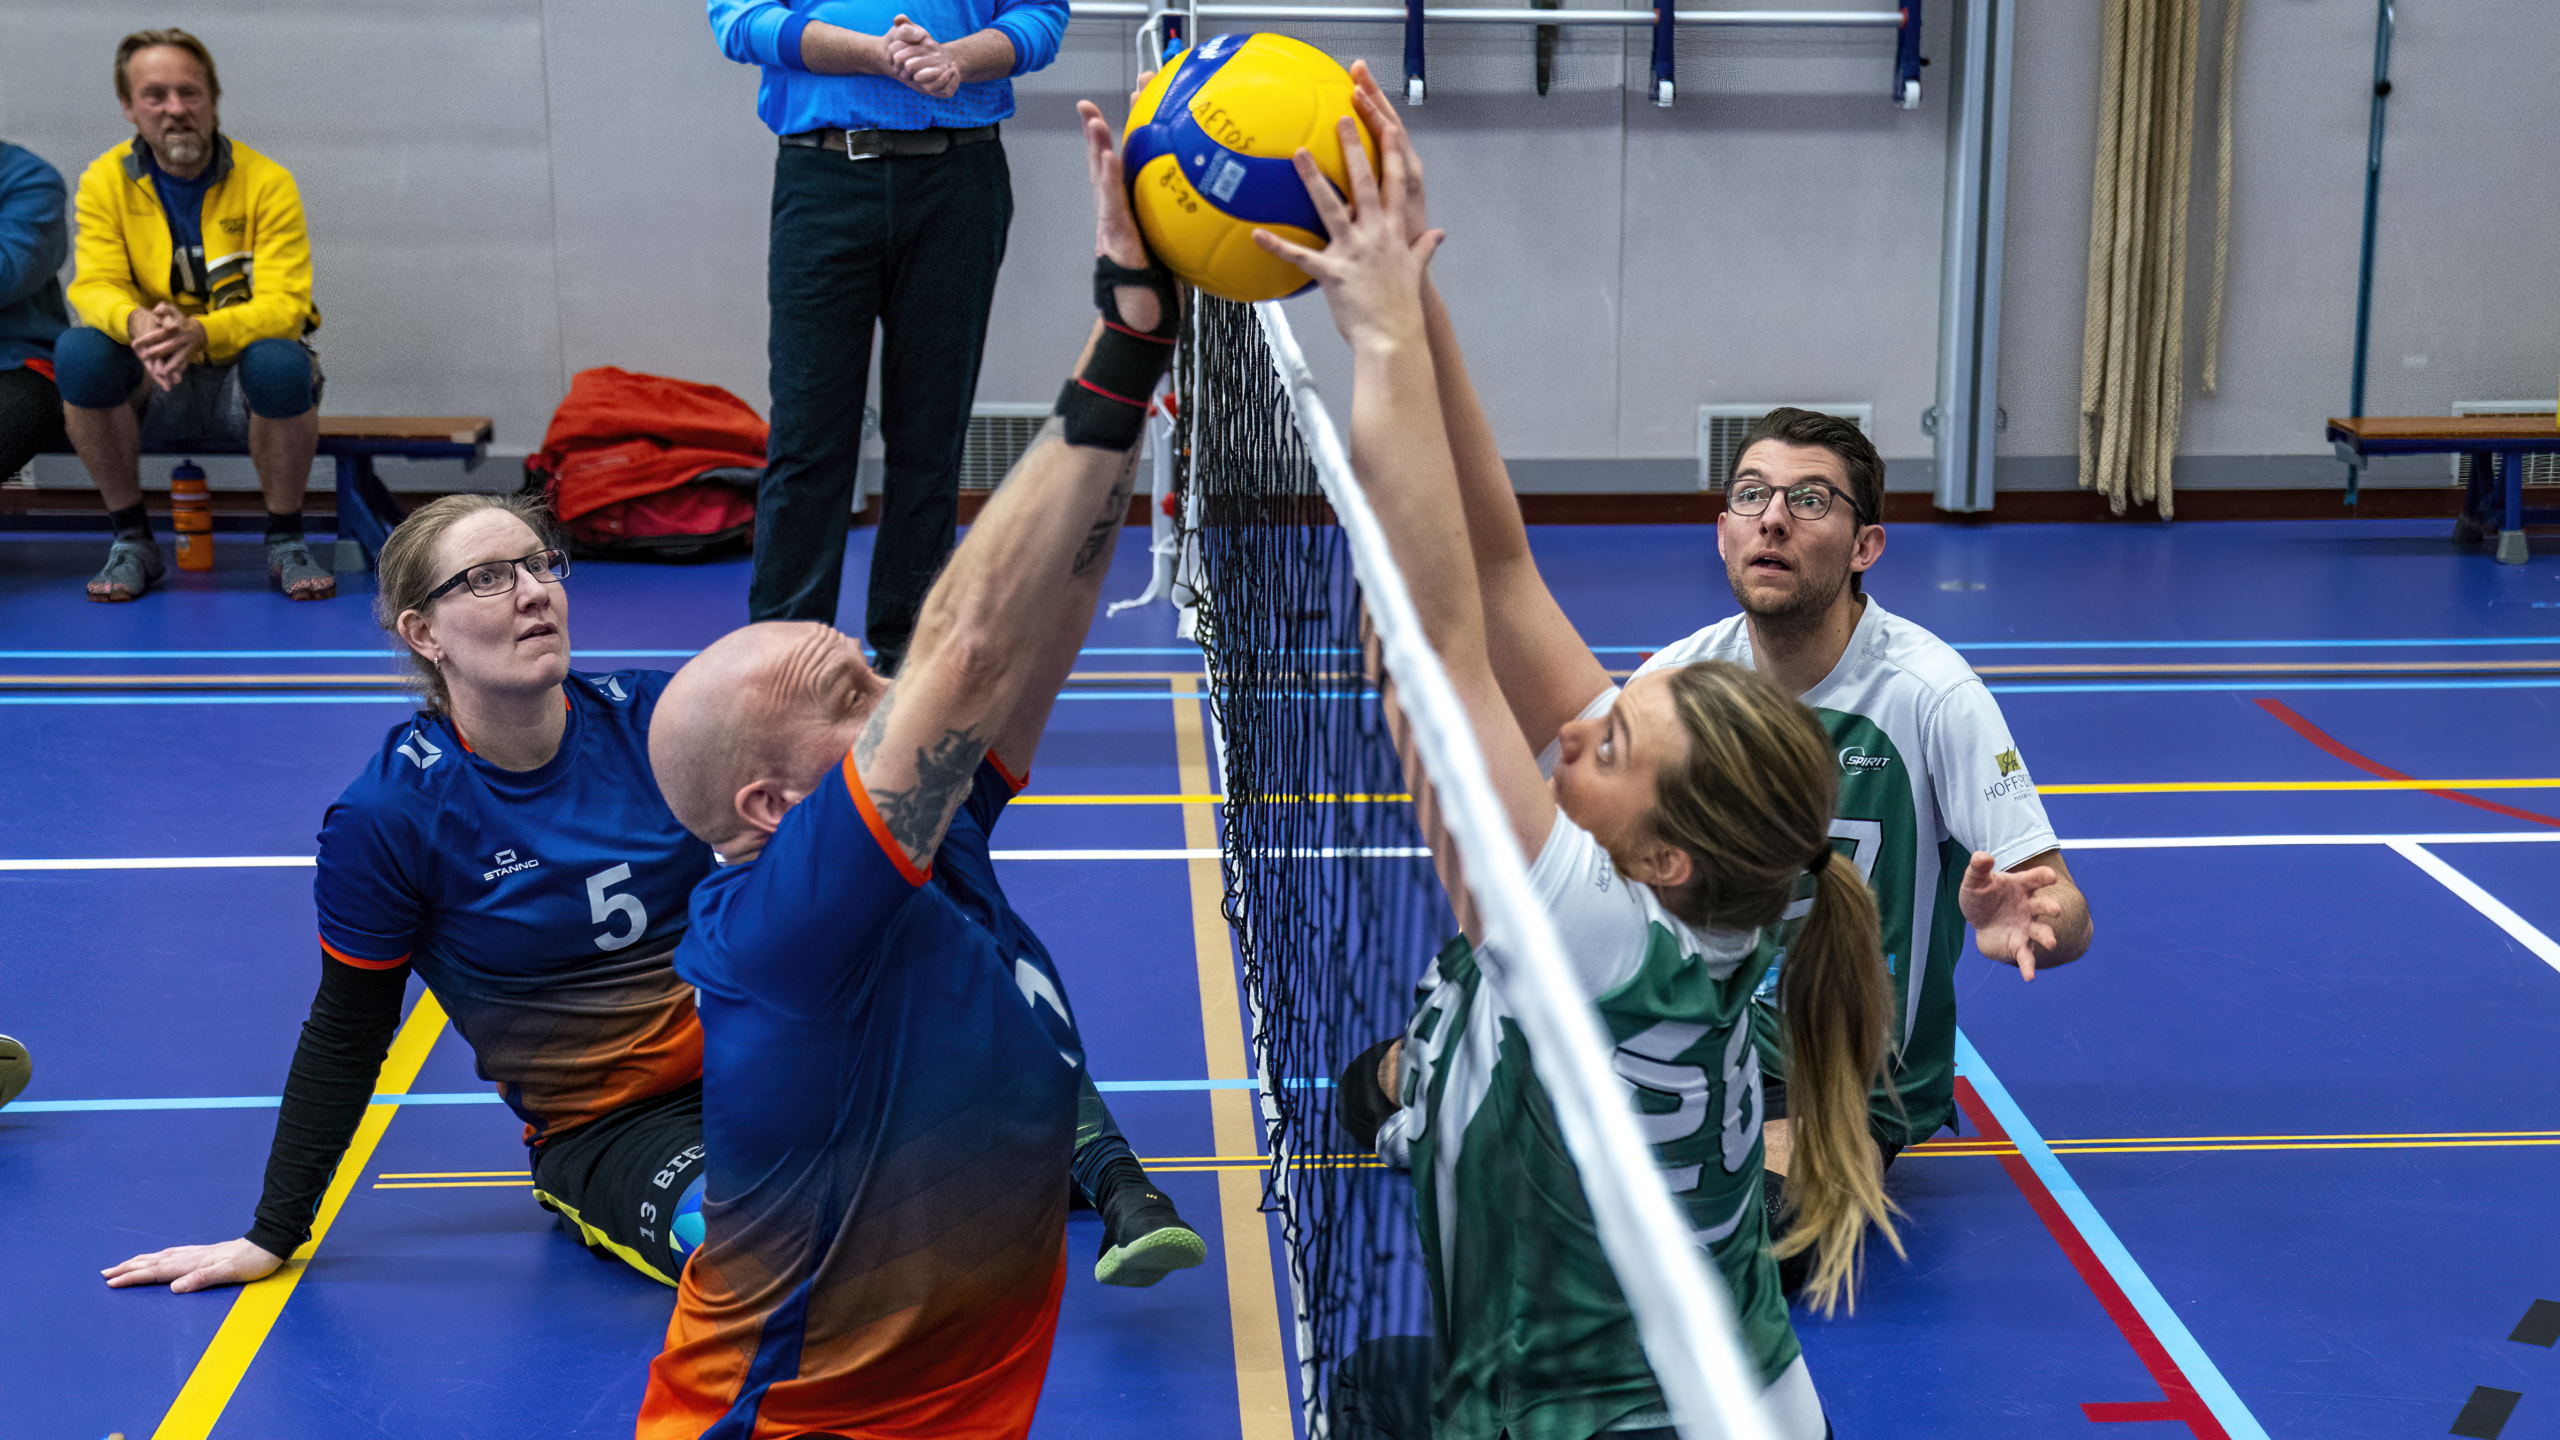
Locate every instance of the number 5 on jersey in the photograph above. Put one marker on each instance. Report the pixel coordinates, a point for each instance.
(603, 908)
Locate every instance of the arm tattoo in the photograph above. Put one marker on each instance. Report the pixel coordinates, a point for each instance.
(873, 729)
(1106, 526)
(917, 815)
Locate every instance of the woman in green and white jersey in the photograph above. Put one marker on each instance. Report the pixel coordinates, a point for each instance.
(1676, 824)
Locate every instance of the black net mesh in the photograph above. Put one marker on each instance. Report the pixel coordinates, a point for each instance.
(1329, 890)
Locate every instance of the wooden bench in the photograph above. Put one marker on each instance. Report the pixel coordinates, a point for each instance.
(2494, 501)
(366, 509)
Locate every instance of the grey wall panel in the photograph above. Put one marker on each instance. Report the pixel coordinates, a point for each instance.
(1782, 235)
(660, 182)
(503, 191)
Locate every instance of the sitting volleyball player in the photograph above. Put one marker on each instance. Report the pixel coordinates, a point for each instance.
(889, 1062)
(1675, 827)
(1929, 775)
(508, 846)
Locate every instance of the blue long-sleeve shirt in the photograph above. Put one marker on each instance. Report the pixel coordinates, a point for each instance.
(794, 98)
(34, 240)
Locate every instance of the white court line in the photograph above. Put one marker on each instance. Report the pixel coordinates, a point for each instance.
(2121, 842)
(2202, 842)
(2481, 900)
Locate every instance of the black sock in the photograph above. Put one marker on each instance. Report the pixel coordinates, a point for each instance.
(133, 522)
(284, 526)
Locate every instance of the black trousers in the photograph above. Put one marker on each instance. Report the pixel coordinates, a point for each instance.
(30, 417)
(911, 243)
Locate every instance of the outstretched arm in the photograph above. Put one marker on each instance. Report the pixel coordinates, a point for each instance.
(1001, 627)
(1140, 307)
(1548, 674)
(2031, 915)
(1372, 272)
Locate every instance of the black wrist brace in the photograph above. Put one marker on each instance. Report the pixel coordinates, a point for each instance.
(1359, 1106)
(1106, 405)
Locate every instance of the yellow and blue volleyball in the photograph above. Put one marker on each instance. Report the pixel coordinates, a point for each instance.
(1207, 155)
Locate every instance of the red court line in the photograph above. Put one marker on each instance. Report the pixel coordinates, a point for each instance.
(2181, 1403)
(2326, 741)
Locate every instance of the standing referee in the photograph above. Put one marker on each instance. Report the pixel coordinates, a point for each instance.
(890, 204)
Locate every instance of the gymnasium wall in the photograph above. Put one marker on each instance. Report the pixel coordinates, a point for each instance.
(502, 192)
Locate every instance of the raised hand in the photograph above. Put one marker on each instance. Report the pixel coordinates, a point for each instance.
(1388, 127)
(196, 1267)
(1372, 268)
(2008, 911)
(1115, 230)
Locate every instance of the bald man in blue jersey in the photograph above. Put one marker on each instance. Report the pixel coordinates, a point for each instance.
(890, 1065)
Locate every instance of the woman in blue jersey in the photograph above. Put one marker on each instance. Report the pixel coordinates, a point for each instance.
(509, 845)
(1667, 824)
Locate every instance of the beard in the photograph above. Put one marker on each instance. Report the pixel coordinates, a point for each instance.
(1801, 610)
(185, 148)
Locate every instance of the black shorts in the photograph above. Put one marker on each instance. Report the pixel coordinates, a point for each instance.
(615, 1181)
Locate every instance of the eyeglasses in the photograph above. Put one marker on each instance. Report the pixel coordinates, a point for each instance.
(498, 577)
(1806, 499)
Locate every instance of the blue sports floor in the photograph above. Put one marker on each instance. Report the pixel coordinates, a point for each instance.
(2278, 1157)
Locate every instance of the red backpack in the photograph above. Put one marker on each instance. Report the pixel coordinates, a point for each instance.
(647, 467)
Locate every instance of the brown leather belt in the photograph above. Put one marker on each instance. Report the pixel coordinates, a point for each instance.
(872, 144)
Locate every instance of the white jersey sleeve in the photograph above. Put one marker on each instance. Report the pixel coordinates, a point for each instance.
(1601, 917)
(1986, 798)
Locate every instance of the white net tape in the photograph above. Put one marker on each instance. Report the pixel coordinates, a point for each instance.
(1682, 1314)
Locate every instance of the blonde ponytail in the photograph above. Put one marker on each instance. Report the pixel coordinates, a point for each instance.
(1749, 804)
(1838, 1005)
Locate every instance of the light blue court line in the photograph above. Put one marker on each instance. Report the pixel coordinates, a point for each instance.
(490, 1097)
(2155, 1310)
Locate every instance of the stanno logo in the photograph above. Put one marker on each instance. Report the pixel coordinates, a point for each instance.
(421, 751)
(508, 864)
(1854, 758)
(613, 687)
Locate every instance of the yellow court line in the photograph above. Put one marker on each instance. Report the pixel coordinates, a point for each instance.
(526, 1175)
(1263, 1408)
(218, 1372)
(455, 1185)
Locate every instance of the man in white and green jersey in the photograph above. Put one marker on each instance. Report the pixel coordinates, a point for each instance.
(1929, 776)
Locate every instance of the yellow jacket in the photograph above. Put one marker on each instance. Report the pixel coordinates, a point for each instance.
(257, 255)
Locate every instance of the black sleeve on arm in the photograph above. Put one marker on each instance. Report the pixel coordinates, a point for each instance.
(353, 1018)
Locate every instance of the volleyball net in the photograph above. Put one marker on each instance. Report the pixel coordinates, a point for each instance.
(1330, 890)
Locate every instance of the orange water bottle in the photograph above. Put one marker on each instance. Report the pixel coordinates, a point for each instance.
(191, 515)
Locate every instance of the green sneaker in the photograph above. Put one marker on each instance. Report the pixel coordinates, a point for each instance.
(1143, 1238)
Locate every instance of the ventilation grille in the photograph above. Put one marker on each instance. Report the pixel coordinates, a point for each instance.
(2538, 469)
(1721, 428)
(998, 434)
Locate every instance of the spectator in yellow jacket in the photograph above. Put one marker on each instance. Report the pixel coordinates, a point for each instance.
(192, 288)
